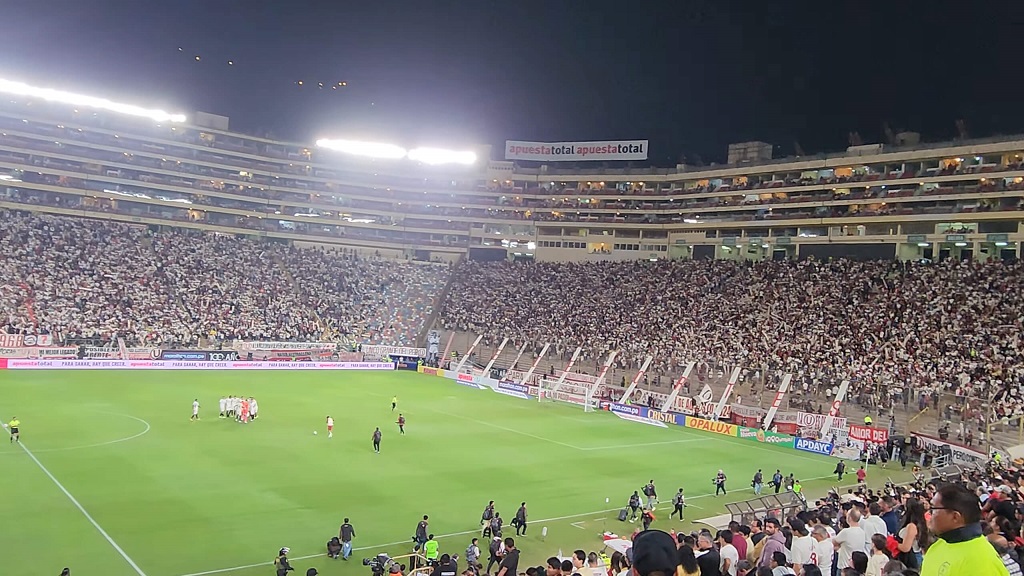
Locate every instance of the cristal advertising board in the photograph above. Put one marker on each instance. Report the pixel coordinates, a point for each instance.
(602, 150)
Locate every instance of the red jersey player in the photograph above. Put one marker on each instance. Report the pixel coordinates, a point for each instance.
(245, 411)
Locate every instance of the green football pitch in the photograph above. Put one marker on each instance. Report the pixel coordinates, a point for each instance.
(115, 479)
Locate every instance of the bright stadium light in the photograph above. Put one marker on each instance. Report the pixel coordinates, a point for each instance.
(49, 94)
(369, 149)
(441, 156)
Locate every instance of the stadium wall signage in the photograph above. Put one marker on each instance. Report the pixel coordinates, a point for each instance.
(667, 417)
(576, 151)
(813, 446)
(199, 355)
(513, 389)
(722, 428)
(25, 340)
(869, 434)
(817, 421)
(628, 409)
(52, 353)
(961, 455)
(765, 436)
(382, 351)
(432, 371)
(12, 364)
(281, 346)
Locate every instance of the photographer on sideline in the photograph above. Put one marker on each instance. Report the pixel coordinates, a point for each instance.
(281, 562)
(334, 548)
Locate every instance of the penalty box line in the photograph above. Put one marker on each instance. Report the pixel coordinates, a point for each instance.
(81, 508)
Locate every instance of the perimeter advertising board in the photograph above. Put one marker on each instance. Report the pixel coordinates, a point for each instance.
(603, 150)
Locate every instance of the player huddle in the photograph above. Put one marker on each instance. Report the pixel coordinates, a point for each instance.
(241, 409)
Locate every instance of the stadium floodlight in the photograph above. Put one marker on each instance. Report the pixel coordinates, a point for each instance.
(369, 149)
(441, 156)
(49, 94)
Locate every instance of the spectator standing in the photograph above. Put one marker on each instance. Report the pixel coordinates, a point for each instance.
(959, 547)
(729, 554)
(849, 540)
(775, 541)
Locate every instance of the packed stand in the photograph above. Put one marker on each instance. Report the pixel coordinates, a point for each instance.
(93, 280)
(895, 329)
(374, 300)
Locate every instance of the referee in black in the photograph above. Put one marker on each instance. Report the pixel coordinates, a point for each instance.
(376, 440)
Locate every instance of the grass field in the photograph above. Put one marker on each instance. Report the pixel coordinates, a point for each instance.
(118, 481)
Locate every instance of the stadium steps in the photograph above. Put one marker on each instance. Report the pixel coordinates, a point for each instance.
(926, 423)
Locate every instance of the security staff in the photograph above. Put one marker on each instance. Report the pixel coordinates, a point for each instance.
(14, 426)
(430, 550)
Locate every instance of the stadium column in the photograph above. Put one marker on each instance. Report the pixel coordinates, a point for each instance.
(728, 390)
(783, 388)
(458, 369)
(529, 374)
(636, 379)
(667, 406)
(487, 369)
(834, 411)
(568, 367)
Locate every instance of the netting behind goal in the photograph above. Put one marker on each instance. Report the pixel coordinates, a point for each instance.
(568, 393)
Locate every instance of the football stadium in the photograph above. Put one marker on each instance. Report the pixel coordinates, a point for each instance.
(223, 353)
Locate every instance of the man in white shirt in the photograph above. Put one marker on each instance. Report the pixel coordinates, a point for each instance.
(728, 553)
(802, 548)
(823, 549)
(872, 523)
(223, 406)
(849, 540)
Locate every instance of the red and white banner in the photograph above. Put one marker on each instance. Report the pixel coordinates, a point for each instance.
(25, 340)
(869, 434)
(576, 151)
(11, 364)
(817, 421)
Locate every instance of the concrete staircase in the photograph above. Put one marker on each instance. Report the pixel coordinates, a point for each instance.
(908, 419)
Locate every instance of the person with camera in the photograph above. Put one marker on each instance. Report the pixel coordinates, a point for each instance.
(281, 562)
(520, 519)
(334, 548)
(421, 534)
(473, 556)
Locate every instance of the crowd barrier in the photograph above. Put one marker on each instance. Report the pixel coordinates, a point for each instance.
(15, 364)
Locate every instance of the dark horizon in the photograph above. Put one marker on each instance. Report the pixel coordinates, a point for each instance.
(690, 78)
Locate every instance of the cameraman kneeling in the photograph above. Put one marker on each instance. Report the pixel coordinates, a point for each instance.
(446, 566)
(334, 548)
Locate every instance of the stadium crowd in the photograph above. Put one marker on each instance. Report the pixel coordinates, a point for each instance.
(893, 328)
(79, 279)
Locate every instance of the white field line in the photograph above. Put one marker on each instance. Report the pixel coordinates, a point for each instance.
(81, 508)
(577, 525)
(108, 443)
(440, 536)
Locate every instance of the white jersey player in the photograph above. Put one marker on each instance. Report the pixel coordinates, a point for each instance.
(254, 409)
(330, 427)
(195, 410)
(223, 406)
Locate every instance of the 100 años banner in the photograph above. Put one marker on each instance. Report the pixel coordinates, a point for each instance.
(722, 428)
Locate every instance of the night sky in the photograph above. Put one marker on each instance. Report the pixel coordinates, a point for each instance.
(689, 75)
